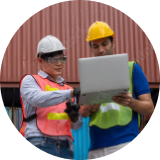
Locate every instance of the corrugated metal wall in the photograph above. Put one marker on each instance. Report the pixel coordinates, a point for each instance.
(69, 21)
(81, 136)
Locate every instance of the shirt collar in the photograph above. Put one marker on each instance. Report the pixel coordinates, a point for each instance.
(45, 75)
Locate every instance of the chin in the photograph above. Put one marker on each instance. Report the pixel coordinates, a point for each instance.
(58, 74)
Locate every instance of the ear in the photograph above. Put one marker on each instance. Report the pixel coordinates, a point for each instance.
(113, 43)
(92, 50)
(90, 46)
(40, 60)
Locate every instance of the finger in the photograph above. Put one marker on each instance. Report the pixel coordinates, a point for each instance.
(124, 98)
(120, 99)
(75, 107)
(116, 98)
(68, 104)
(122, 102)
(125, 94)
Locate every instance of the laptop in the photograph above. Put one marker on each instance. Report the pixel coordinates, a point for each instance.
(103, 77)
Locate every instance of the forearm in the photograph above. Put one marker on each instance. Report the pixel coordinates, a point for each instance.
(142, 107)
(44, 99)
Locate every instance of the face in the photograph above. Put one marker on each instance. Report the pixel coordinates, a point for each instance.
(53, 69)
(102, 47)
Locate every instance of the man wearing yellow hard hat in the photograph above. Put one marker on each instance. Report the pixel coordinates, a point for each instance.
(115, 131)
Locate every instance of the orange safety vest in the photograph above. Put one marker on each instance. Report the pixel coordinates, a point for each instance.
(51, 121)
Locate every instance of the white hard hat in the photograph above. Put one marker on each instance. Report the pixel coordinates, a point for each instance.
(49, 44)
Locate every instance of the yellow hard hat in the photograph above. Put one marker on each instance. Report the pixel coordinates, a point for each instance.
(99, 30)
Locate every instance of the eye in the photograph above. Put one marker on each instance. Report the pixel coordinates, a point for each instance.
(63, 59)
(104, 44)
(55, 59)
(52, 60)
(95, 46)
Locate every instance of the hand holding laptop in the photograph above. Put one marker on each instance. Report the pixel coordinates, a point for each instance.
(87, 110)
(124, 99)
(94, 107)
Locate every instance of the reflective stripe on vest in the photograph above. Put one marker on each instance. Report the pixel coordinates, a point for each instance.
(57, 116)
(113, 114)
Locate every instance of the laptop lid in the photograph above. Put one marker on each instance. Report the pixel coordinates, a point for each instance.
(103, 77)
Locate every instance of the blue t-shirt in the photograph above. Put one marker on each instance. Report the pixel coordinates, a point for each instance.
(120, 134)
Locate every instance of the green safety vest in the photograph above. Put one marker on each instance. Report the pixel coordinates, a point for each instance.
(112, 114)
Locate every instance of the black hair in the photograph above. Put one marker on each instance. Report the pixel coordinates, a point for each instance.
(111, 39)
(50, 54)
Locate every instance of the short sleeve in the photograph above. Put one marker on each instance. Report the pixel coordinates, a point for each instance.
(140, 82)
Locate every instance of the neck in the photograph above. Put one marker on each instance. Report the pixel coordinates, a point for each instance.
(54, 78)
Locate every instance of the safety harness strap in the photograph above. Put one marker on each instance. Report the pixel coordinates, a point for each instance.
(30, 118)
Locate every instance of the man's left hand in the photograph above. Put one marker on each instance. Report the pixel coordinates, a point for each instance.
(124, 99)
(72, 110)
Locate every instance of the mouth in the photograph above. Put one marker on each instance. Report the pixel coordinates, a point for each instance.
(58, 69)
(102, 54)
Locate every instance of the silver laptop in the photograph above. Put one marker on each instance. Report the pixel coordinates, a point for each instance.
(103, 77)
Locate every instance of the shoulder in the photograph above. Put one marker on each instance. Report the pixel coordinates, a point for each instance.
(138, 72)
(27, 79)
(134, 65)
(137, 66)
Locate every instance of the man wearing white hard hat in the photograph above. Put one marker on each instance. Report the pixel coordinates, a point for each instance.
(49, 110)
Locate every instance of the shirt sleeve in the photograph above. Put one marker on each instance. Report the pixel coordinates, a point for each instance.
(38, 98)
(140, 82)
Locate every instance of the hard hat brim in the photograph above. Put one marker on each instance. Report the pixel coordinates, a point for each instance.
(42, 53)
(89, 40)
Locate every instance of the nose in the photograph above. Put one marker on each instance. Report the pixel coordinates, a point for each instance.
(101, 49)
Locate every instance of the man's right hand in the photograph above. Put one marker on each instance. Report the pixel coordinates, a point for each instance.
(72, 110)
(88, 110)
(94, 108)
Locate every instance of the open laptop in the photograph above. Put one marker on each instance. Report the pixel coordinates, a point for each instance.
(103, 77)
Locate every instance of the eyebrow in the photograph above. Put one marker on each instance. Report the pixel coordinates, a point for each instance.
(94, 44)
